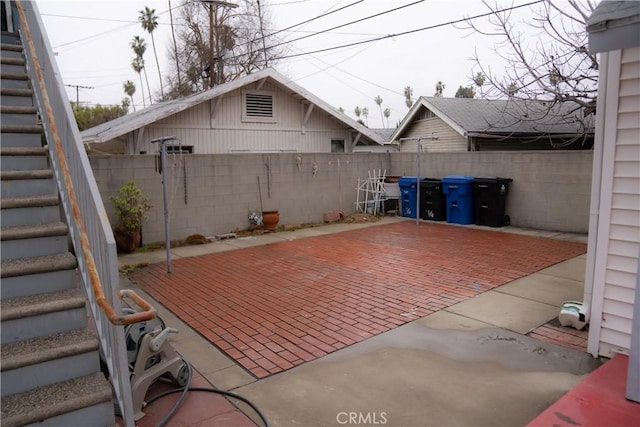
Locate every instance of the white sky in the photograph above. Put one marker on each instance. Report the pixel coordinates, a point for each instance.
(93, 50)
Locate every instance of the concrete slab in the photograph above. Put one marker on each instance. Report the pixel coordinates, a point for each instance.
(417, 376)
(230, 378)
(446, 320)
(247, 242)
(202, 355)
(152, 257)
(573, 268)
(506, 311)
(197, 250)
(544, 288)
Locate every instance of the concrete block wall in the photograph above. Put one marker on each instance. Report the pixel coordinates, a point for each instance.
(550, 189)
(213, 194)
(220, 190)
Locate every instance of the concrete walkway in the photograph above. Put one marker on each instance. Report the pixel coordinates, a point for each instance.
(468, 364)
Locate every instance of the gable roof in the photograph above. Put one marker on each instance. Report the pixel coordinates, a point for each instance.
(477, 117)
(138, 119)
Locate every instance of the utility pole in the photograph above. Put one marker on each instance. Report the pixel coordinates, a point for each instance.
(78, 91)
(212, 74)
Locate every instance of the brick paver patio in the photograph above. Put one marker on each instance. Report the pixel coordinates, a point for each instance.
(276, 306)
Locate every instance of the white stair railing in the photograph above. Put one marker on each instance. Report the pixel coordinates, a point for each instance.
(86, 217)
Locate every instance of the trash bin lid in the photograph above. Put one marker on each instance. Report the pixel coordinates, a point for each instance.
(457, 179)
(407, 180)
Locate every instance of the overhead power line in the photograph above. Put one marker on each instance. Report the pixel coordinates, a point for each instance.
(348, 23)
(404, 33)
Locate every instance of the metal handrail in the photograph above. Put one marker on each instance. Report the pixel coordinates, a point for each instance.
(105, 306)
(148, 312)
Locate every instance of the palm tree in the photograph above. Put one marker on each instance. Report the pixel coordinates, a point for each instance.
(439, 89)
(408, 94)
(139, 48)
(130, 89)
(365, 113)
(378, 101)
(175, 45)
(387, 113)
(358, 112)
(136, 64)
(479, 80)
(149, 21)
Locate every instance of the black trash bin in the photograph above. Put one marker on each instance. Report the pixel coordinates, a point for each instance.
(433, 205)
(490, 201)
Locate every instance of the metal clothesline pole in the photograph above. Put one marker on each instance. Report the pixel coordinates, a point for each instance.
(163, 154)
(418, 151)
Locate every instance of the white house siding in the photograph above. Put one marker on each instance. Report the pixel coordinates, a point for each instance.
(623, 239)
(448, 139)
(225, 132)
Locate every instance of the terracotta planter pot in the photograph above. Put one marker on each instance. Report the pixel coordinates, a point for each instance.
(270, 220)
(127, 242)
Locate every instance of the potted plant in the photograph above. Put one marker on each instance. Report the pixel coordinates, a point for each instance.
(131, 206)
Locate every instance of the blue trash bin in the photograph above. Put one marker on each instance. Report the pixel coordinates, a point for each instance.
(458, 190)
(408, 196)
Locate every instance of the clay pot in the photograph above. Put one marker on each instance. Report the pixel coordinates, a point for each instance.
(270, 220)
(127, 242)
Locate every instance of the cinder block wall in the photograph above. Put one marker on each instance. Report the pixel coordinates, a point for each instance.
(213, 194)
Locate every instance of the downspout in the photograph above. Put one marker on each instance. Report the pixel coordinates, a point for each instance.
(596, 183)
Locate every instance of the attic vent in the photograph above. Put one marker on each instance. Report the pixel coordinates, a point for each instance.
(426, 114)
(258, 107)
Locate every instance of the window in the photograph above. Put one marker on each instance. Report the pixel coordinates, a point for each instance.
(175, 149)
(257, 106)
(337, 145)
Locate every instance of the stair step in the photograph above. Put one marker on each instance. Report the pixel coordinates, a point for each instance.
(65, 401)
(40, 361)
(38, 350)
(31, 231)
(27, 183)
(33, 241)
(38, 315)
(24, 151)
(26, 174)
(18, 115)
(16, 83)
(11, 61)
(19, 119)
(16, 100)
(31, 284)
(36, 265)
(34, 305)
(30, 210)
(11, 47)
(23, 158)
(20, 128)
(8, 91)
(12, 75)
(21, 140)
(29, 202)
(50, 362)
(16, 109)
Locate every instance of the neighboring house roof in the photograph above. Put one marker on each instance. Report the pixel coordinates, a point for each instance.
(130, 122)
(614, 25)
(385, 133)
(478, 117)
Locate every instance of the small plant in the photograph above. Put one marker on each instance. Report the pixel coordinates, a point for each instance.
(131, 206)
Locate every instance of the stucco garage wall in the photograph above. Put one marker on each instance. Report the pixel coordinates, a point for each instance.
(213, 194)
